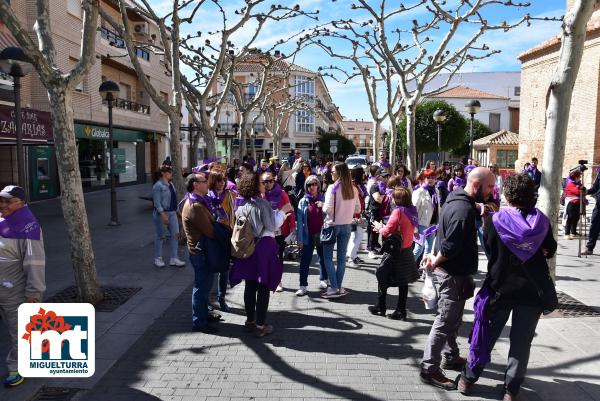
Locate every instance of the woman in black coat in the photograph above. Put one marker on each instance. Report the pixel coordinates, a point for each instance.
(518, 280)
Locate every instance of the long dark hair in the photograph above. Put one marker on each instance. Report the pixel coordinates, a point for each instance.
(343, 173)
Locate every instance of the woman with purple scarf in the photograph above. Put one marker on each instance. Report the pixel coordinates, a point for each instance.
(398, 267)
(262, 271)
(222, 204)
(520, 240)
(458, 179)
(425, 200)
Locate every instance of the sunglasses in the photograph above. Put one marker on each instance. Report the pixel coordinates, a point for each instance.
(267, 182)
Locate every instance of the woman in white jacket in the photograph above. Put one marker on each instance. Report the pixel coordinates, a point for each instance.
(424, 198)
(340, 206)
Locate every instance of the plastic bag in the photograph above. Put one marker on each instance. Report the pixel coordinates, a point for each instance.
(429, 292)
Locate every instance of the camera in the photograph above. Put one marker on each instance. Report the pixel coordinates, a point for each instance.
(582, 165)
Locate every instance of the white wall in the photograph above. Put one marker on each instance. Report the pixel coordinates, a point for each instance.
(487, 106)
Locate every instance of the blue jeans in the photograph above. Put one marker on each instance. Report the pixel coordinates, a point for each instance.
(306, 258)
(342, 235)
(427, 246)
(203, 280)
(160, 230)
(223, 279)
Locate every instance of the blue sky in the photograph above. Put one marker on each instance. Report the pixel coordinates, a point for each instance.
(351, 97)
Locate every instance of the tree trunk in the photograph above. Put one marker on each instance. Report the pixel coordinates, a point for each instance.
(376, 140)
(194, 143)
(411, 144)
(175, 149)
(559, 105)
(393, 157)
(72, 201)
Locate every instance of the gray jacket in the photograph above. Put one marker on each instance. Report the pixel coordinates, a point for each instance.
(264, 219)
(161, 196)
(22, 269)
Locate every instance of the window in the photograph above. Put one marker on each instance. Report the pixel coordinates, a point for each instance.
(305, 121)
(72, 63)
(495, 122)
(74, 8)
(482, 157)
(350, 128)
(506, 158)
(517, 91)
(305, 87)
(125, 91)
(141, 53)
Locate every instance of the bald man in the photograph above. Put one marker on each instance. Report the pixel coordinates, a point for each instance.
(453, 264)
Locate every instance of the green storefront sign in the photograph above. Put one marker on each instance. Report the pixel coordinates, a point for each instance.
(87, 131)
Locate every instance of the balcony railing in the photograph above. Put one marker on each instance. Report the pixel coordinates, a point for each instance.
(125, 104)
(112, 37)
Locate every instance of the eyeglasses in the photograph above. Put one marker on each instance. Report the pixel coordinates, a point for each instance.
(267, 182)
(313, 184)
(201, 181)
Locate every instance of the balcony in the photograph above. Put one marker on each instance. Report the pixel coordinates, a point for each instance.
(112, 37)
(125, 104)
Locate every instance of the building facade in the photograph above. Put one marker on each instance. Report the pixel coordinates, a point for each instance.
(140, 127)
(583, 133)
(361, 133)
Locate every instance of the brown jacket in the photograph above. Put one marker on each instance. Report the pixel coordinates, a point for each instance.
(197, 223)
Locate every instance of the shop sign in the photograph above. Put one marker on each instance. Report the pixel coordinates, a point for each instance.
(100, 133)
(36, 126)
(96, 132)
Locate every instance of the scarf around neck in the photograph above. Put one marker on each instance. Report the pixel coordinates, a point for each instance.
(21, 224)
(522, 235)
(274, 196)
(205, 200)
(411, 213)
(313, 199)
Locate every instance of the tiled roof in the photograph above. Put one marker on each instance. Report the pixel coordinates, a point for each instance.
(503, 137)
(464, 92)
(282, 65)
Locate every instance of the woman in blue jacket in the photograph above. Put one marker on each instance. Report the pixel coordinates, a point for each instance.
(309, 221)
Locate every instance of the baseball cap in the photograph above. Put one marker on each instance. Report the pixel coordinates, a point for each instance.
(383, 172)
(12, 191)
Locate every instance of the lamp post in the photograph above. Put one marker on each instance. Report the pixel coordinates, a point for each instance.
(236, 128)
(109, 91)
(14, 62)
(439, 117)
(472, 107)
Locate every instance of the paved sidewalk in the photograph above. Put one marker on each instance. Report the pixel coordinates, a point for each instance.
(337, 350)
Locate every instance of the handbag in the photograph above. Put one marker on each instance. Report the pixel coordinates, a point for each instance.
(327, 236)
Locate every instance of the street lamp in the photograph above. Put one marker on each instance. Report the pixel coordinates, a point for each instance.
(14, 62)
(109, 91)
(439, 117)
(472, 107)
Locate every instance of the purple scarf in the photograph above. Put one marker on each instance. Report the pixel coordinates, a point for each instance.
(522, 236)
(313, 199)
(217, 203)
(404, 182)
(22, 224)
(389, 191)
(205, 200)
(336, 186)
(384, 164)
(411, 213)
(480, 351)
(274, 196)
(459, 182)
(241, 201)
(382, 187)
(469, 168)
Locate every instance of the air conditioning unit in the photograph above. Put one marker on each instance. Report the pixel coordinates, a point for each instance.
(141, 28)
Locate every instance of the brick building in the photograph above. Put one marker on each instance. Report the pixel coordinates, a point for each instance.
(360, 132)
(139, 125)
(583, 134)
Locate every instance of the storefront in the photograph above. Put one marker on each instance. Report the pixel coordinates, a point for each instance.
(93, 150)
(40, 161)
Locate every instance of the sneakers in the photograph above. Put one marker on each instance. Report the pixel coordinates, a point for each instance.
(301, 291)
(509, 397)
(264, 330)
(343, 292)
(323, 285)
(279, 288)
(569, 236)
(397, 315)
(457, 364)
(358, 261)
(372, 255)
(159, 262)
(13, 379)
(249, 326)
(437, 379)
(176, 262)
(330, 293)
(464, 386)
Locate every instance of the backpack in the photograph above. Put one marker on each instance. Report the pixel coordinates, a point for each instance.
(242, 238)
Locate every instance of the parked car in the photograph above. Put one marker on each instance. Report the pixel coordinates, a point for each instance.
(354, 160)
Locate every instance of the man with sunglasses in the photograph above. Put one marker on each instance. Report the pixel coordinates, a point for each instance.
(22, 267)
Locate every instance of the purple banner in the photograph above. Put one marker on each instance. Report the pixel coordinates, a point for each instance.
(36, 125)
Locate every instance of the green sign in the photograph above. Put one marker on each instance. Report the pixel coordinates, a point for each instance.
(87, 131)
(119, 155)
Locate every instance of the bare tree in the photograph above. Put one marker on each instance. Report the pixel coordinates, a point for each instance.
(214, 61)
(60, 85)
(559, 96)
(415, 57)
(169, 39)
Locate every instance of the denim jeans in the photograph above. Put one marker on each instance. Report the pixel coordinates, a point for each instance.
(203, 280)
(306, 258)
(222, 281)
(342, 235)
(159, 233)
(420, 250)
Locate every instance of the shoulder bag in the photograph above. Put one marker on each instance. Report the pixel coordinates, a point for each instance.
(327, 236)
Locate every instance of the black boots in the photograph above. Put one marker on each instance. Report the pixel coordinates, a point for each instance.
(398, 314)
(379, 308)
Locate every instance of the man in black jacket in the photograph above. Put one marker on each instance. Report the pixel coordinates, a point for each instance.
(454, 262)
(595, 226)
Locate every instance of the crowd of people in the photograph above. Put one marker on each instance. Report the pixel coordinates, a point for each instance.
(433, 221)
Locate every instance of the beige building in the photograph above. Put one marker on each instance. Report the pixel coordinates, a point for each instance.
(583, 137)
(139, 125)
(301, 127)
(360, 132)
